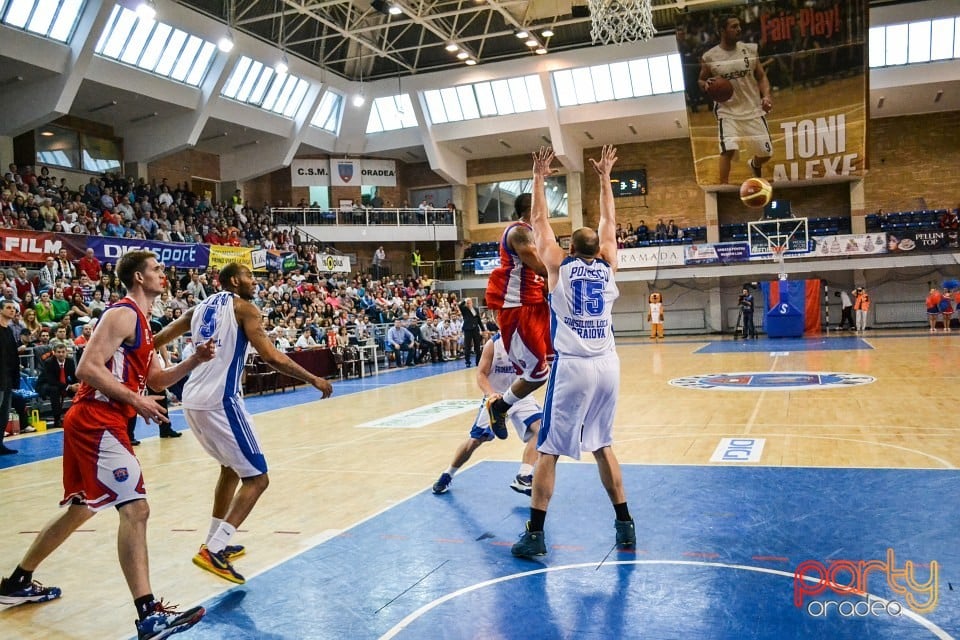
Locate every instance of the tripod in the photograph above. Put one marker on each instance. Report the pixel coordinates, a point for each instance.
(739, 326)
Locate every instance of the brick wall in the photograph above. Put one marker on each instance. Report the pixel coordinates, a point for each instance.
(181, 166)
(913, 157)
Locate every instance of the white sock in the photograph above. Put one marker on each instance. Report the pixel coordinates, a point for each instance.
(453, 471)
(214, 525)
(221, 538)
(525, 470)
(510, 397)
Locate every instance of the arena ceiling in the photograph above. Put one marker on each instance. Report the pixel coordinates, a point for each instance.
(360, 39)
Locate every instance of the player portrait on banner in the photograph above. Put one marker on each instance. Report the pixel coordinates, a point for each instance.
(776, 90)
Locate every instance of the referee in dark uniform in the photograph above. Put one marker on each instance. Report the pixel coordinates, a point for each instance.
(472, 342)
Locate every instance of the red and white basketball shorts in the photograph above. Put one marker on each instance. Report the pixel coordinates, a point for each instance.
(525, 332)
(99, 467)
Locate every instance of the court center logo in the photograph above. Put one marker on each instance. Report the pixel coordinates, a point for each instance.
(772, 381)
(847, 585)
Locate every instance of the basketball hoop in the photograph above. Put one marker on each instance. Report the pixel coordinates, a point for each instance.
(778, 253)
(621, 21)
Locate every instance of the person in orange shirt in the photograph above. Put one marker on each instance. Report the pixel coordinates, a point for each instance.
(861, 305)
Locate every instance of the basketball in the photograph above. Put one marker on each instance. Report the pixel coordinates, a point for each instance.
(756, 192)
(719, 89)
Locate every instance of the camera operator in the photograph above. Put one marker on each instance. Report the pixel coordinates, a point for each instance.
(746, 308)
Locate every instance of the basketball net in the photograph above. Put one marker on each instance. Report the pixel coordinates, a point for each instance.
(621, 21)
(778, 253)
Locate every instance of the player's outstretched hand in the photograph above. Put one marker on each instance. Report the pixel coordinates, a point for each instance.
(542, 160)
(206, 351)
(150, 408)
(323, 386)
(766, 104)
(608, 157)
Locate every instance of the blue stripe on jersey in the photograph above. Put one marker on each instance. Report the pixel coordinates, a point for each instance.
(242, 433)
(231, 387)
(553, 320)
(124, 345)
(548, 404)
(568, 260)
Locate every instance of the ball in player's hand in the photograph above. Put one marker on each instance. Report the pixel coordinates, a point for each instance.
(756, 192)
(719, 89)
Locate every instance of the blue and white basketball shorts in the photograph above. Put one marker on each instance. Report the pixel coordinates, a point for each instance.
(523, 415)
(580, 406)
(227, 435)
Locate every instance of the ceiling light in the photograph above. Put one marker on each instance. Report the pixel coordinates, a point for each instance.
(470, 61)
(522, 34)
(146, 10)
(540, 51)
(281, 67)
(547, 33)
(453, 46)
(532, 42)
(225, 44)
(463, 55)
(395, 10)
(359, 100)
(46, 134)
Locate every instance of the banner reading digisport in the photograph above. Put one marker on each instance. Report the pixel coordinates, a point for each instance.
(172, 254)
(798, 103)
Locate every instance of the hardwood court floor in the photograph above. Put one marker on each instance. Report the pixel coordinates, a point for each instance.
(327, 474)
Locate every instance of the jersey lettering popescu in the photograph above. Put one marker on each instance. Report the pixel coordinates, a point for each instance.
(218, 380)
(513, 284)
(130, 365)
(737, 66)
(581, 308)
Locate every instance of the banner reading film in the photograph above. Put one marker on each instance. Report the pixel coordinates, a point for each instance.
(810, 58)
(221, 256)
(34, 246)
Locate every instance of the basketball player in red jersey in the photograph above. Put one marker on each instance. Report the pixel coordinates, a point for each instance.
(99, 468)
(516, 291)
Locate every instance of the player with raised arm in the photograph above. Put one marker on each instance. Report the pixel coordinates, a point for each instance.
(585, 377)
(214, 408)
(99, 467)
(515, 291)
(495, 374)
(741, 120)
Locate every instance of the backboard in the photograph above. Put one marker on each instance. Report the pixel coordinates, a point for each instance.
(764, 235)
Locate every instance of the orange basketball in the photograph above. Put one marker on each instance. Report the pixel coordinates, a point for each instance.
(719, 89)
(756, 192)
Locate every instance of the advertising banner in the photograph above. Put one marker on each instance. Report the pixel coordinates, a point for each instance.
(651, 257)
(259, 259)
(222, 256)
(864, 244)
(721, 252)
(34, 246)
(310, 173)
(172, 254)
(905, 241)
(789, 89)
(327, 262)
(485, 266)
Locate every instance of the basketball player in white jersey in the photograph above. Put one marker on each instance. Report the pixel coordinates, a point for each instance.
(585, 377)
(213, 407)
(740, 119)
(495, 374)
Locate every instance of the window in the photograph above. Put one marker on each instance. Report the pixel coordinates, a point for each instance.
(57, 146)
(54, 19)
(99, 155)
(256, 84)
(921, 41)
(619, 80)
(485, 99)
(390, 114)
(495, 199)
(328, 113)
(155, 47)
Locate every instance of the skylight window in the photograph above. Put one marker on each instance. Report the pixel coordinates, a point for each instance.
(256, 84)
(916, 42)
(485, 99)
(619, 80)
(328, 113)
(391, 113)
(155, 47)
(54, 19)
